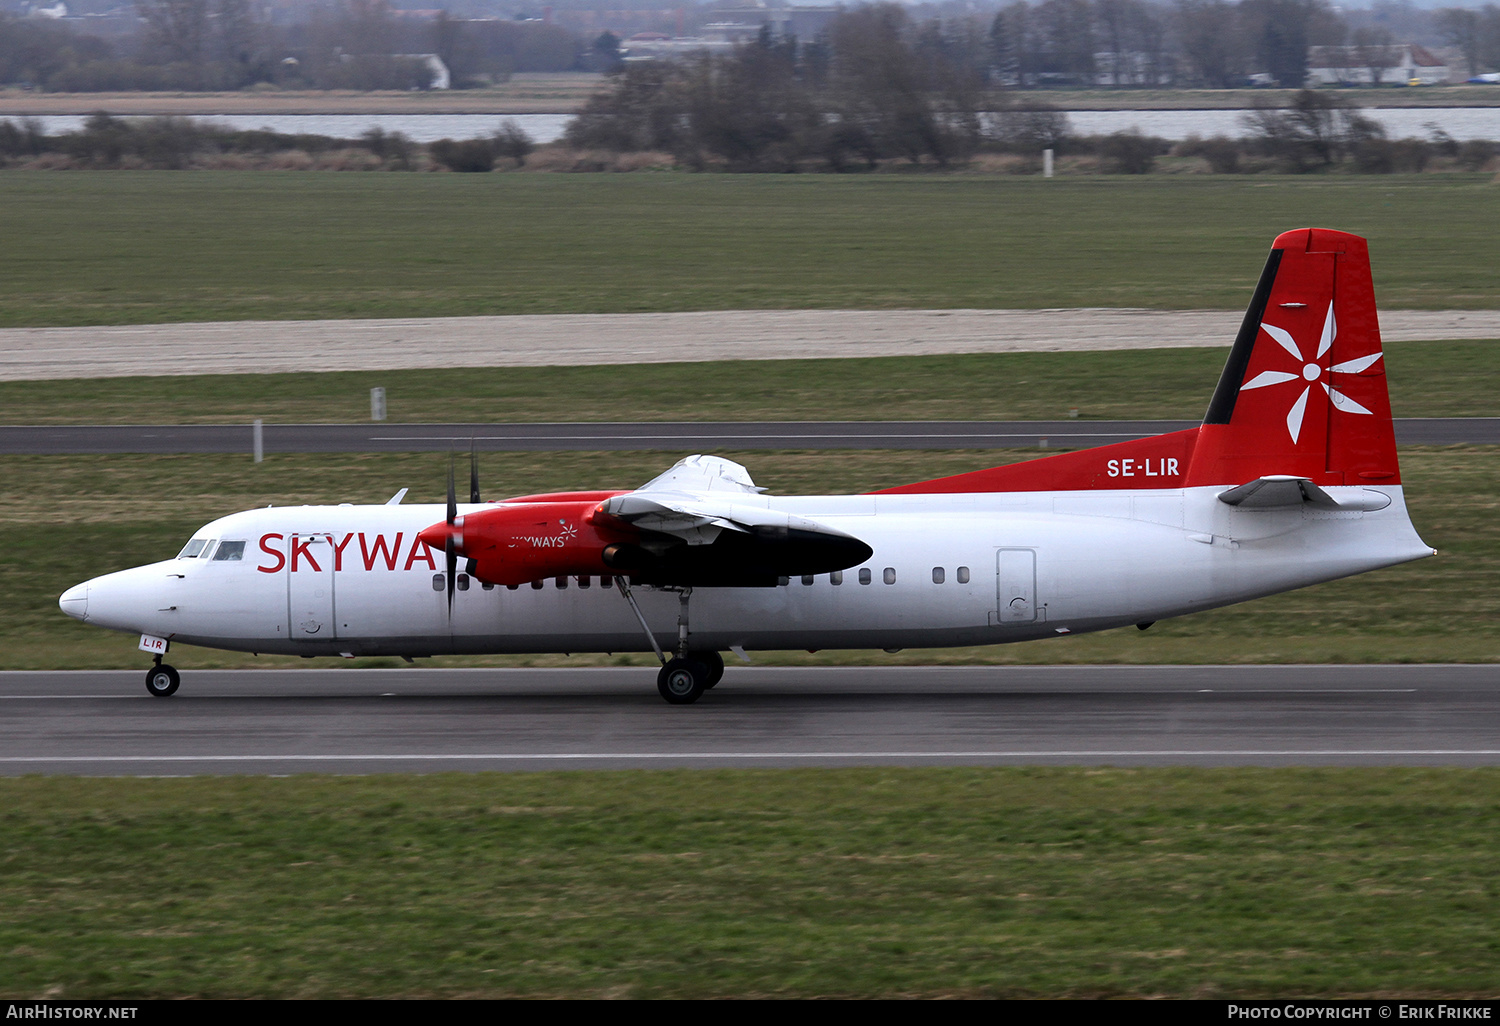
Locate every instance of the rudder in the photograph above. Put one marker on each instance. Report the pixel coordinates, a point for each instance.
(1304, 390)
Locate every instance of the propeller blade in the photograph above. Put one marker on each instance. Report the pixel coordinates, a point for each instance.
(452, 501)
(451, 558)
(473, 474)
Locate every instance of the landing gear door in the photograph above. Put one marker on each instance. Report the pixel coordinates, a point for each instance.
(1016, 599)
(309, 588)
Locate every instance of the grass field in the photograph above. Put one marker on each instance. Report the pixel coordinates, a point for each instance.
(829, 883)
(934, 883)
(142, 247)
(1429, 379)
(107, 513)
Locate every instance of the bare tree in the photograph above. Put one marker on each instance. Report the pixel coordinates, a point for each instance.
(1459, 28)
(178, 27)
(1211, 43)
(1375, 51)
(1314, 132)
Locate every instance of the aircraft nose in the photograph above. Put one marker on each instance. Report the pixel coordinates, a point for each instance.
(75, 601)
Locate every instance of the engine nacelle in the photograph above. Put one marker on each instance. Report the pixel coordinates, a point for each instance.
(515, 543)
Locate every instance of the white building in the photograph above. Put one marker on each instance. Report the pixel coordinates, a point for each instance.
(1399, 64)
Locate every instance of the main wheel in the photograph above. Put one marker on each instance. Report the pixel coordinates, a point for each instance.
(162, 680)
(682, 681)
(714, 664)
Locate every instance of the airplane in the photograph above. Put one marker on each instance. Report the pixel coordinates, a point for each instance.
(1292, 479)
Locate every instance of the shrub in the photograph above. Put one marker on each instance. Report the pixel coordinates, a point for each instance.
(1221, 153)
(1130, 153)
(513, 142)
(468, 155)
(1474, 154)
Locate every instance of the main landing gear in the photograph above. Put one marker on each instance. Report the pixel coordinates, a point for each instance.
(688, 674)
(162, 680)
(683, 680)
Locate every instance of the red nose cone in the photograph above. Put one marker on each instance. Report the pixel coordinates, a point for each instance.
(436, 536)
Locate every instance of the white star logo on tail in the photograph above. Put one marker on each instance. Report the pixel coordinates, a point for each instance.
(1312, 371)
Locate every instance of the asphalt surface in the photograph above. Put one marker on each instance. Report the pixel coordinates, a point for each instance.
(427, 720)
(388, 437)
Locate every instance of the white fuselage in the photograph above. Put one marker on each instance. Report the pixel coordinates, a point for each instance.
(946, 569)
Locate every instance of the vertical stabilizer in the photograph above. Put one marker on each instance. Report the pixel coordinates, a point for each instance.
(1304, 390)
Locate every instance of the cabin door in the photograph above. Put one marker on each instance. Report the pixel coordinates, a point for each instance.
(309, 588)
(1015, 577)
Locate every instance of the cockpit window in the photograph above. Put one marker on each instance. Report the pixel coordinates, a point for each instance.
(208, 549)
(230, 550)
(192, 548)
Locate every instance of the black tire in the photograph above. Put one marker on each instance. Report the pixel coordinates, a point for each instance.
(681, 681)
(162, 681)
(714, 664)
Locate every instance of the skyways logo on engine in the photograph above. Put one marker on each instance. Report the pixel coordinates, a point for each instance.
(549, 541)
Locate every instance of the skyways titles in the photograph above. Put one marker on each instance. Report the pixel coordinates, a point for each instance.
(380, 551)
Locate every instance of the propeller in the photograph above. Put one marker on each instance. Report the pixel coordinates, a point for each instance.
(473, 474)
(449, 556)
(473, 490)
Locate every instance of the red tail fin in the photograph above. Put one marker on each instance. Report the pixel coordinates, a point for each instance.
(1304, 391)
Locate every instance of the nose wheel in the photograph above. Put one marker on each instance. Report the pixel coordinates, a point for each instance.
(162, 680)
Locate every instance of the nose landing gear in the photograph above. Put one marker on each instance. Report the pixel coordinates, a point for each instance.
(162, 680)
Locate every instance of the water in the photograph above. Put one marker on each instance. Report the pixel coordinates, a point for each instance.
(423, 128)
(1459, 122)
(1400, 123)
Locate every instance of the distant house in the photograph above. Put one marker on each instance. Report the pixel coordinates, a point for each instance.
(1399, 64)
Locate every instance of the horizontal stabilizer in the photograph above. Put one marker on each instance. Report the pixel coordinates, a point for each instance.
(1280, 491)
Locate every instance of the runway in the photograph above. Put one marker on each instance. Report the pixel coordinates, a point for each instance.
(427, 720)
(387, 437)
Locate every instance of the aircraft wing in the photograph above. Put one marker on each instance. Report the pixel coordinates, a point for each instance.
(711, 525)
(703, 496)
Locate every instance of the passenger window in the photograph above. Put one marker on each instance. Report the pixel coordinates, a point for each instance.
(463, 582)
(230, 551)
(782, 582)
(890, 575)
(192, 548)
(487, 586)
(807, 579)
(836, 578)
(583, 582)
(437, 582)
(937, 575)
(963, 575)
(562, 582)
(864, 575)
(606, 582)
(536, 585)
